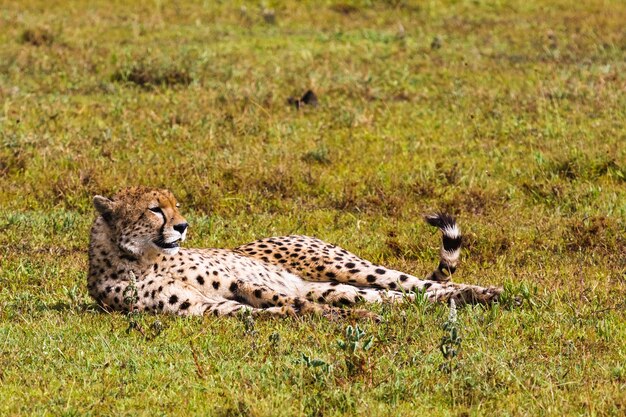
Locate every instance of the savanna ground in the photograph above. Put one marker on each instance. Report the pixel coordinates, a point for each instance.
(509, 114)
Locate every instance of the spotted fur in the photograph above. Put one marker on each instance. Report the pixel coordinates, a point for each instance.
(137, 234)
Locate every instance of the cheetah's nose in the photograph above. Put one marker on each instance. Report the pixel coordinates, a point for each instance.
(181, 227)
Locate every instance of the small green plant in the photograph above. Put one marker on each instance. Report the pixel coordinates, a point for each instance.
(451, 341)
(274, 346)
(320, 364)
(517, 295)
(249, 326)
(319, 369)
(421, 301)
(355, 347)
(156, 328)
(319, 155)
(450, 346)
(130, 296)
(274, 340)
(73, 294)
(248, 322)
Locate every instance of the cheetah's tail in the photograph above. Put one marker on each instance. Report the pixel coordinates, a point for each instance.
(450, 246)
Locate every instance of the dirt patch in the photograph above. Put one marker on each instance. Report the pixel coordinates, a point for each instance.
(475, 201)
(543, 191)
(484, 249)
(480, 202)
(585, 168)
(423, 189)
(273, 184)
(372, 198)
(37, 37)
(148, 76)
(13, 163)
(597, 233)
(450, 174)
(393, 244)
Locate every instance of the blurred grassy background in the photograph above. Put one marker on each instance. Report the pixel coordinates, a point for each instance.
(510, 115)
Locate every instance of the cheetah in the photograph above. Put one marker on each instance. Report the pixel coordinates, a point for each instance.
(136, 239)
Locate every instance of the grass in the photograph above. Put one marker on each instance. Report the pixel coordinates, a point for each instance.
(510, 115)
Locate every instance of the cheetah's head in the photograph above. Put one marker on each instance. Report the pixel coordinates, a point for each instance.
(142, 220)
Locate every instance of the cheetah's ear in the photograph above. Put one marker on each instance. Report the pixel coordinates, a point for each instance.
(104, 206)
